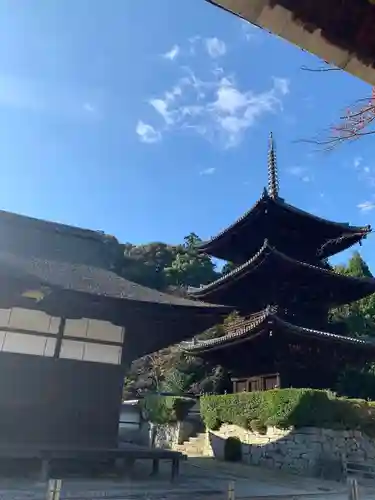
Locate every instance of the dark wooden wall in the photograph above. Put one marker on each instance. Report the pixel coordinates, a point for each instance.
(58, 402)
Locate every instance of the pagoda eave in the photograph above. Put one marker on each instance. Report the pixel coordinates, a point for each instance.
(268, 322)
(266, 217)
(251, 278)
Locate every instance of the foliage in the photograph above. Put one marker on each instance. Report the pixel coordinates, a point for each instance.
(233, 450)
(284, 408)
(189, 267)
(258, 426)
(357, 318)
(164, 409)
(358, 383)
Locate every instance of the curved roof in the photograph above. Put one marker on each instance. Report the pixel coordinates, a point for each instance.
(271, 271)
(270, 215)
(257, 324)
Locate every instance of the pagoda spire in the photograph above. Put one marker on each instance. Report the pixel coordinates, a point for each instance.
(273, 178)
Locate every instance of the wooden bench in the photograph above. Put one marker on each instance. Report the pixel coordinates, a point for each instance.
(124, 456)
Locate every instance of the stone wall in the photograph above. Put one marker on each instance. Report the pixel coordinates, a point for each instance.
(170, 435)
(307, 451)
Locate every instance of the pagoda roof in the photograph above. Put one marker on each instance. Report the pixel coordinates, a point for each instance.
(294, 230)
(250, 278)
(329, 237)
(263, 322)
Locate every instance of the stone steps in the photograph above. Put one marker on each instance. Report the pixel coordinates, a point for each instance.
(194, 446)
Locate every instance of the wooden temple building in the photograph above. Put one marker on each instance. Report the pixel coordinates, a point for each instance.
(340, 32)
(283, 288)
(69, 327)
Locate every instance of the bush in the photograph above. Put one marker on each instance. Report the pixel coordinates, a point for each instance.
(284, 408)
(258, 426)
(233, 450)
(165, 409)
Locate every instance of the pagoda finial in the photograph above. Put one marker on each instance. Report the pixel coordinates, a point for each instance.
(273, 178)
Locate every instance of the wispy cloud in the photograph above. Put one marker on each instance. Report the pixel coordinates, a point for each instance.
(357, 162)
(208, 171)
(301, 173)
(216, 108)
(366, 206)
(172, 53)
(215, 47)
(249, 31)
(366, 172)
(147, 133)
(89, 107)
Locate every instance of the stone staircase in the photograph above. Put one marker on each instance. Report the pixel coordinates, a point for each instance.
(194, 446)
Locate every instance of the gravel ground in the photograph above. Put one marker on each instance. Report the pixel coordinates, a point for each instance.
(200, 478)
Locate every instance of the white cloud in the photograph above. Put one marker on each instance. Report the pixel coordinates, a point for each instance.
(282, 85)
(217, 108)
(366, 206)
(89, 108)
(357, 162)
(301, 173)
(215, 105)
(208, 171)
(215, 47)
(249, 31)
(173, 53)
(147, 133)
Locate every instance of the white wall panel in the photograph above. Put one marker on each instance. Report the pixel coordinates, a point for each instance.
(4, 317)
(24, 344)
(28, 319)
(103, 353)
(72, 349)
(104, 330)
(49, 349)
(76, 327)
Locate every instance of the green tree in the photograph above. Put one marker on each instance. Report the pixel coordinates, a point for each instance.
(189, 267)
(358, 318)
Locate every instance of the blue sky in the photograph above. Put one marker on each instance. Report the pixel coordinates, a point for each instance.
(149, 120)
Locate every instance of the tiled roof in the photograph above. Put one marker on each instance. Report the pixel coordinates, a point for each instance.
(346, 228)
(265, 251)
(19, 219)
(255, 324)
(89, 280)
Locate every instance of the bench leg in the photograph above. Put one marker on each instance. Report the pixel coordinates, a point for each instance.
(155, 467)
(124, 466)
(175, 468)
(44, 470)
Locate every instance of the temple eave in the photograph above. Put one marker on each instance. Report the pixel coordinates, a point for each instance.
(269, 261)
(268, 322)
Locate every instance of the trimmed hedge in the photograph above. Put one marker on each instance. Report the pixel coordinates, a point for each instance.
(285, 408)
(165, 409)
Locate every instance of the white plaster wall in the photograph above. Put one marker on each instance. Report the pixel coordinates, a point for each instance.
(84, 330)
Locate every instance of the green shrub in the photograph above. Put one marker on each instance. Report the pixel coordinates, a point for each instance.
(284, 408)
(233, 450)
(165, 409)
(258, 426)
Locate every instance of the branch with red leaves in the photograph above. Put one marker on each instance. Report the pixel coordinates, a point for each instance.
(356, 122)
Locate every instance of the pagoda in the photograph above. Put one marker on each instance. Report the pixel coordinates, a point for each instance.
(283, 288)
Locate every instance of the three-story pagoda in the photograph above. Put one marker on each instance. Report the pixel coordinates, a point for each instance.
(283, 288)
